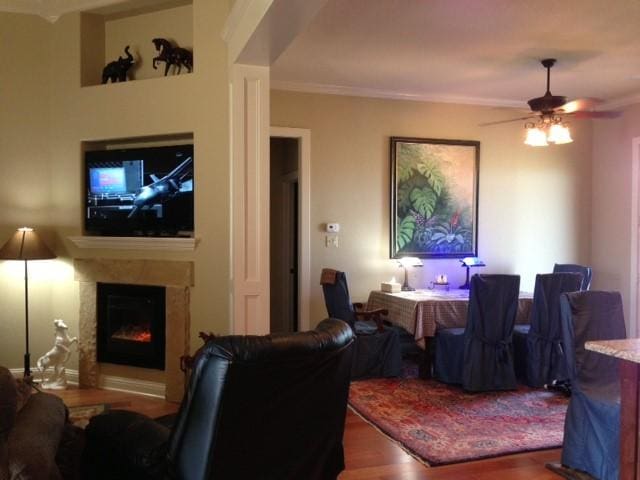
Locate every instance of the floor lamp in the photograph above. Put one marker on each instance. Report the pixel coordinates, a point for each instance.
(26, 245)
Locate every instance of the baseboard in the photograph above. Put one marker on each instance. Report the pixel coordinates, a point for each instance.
(110, 382)
(72, 375)
(141, 387)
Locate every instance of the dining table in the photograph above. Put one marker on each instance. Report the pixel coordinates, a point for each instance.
(422, 312)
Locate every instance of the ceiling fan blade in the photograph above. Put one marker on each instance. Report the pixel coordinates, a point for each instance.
(506, 121)
(579, 115)
(580, 104)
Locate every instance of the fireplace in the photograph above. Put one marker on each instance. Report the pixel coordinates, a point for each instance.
(131, 325)
(177, 279)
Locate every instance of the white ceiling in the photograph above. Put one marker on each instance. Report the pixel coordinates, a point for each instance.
(468, 51)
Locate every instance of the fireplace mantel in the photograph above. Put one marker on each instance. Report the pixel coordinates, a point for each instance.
(136, 243)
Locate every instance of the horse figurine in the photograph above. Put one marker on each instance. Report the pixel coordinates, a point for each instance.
(170, 55)
(57, 357)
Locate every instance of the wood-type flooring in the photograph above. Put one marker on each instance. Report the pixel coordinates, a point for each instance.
(369, 454)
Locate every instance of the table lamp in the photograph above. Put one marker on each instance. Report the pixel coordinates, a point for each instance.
(408, 262)
(470, 262)
(26, 245)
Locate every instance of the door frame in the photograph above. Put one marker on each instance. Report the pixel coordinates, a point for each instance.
(634, 297)
(303, 136)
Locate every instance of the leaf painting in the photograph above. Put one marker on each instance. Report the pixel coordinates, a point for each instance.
(434, 208)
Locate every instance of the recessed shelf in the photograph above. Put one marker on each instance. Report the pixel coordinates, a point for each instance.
(106, 32)
(136, 243)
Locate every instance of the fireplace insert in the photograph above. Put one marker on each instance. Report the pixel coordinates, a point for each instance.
(131, 325)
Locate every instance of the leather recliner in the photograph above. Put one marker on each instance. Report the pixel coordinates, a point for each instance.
(256, 407)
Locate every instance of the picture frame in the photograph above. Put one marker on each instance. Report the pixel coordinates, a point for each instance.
(434, 197)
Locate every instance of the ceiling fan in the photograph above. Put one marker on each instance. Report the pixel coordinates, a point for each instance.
(551, 108)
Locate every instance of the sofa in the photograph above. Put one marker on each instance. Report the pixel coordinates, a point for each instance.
(36, 440)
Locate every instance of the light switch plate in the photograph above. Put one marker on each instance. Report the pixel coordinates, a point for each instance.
(331, 241)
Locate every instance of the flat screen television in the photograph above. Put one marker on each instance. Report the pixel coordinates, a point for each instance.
(140, 192)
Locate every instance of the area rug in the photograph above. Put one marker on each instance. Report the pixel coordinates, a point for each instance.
(79, 416)
(441, 424)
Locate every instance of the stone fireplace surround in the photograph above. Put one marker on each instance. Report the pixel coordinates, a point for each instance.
(175, 276)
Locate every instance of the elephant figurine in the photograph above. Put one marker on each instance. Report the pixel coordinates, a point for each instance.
(116, 71)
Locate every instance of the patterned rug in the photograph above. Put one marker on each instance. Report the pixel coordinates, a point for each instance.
(440, 424)
(79, 416)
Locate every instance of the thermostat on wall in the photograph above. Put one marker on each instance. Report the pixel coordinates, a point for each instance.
(333, 227)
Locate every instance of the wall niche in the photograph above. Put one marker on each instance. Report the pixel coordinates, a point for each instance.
(105, 32)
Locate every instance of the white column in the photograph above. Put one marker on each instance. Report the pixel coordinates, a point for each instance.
(249, 93)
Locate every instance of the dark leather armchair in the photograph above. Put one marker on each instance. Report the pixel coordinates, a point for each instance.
(586, 272)
(270, 407)
(377, 349)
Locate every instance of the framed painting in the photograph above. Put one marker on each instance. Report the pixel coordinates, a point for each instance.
(434, 198)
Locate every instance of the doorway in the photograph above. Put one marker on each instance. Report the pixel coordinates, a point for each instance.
(284, 234)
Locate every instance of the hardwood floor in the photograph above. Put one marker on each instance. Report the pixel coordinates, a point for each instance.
(369, 454)
(153, 407)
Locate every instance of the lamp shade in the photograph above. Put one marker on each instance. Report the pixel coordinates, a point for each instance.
(536, 137)
(410, 262)
(25, 244)
(559, 134)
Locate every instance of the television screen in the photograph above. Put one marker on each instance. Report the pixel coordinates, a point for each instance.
(140, 192)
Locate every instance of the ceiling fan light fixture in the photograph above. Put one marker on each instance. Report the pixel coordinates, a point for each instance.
(559, 133)
(536, 137)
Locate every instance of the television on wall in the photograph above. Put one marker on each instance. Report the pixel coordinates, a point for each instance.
(140, 192)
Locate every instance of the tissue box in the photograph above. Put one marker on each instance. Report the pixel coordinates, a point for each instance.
(390, 287)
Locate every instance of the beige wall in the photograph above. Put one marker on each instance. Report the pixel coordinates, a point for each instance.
(534, 202)
(611, 206)
(25, 187)
(47, 115)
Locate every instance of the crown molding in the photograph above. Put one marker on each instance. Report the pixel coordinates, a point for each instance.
(374, 93)
(52, 10)
(29, 7)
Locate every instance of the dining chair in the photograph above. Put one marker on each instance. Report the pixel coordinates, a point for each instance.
(574, 268)
(592, 425)
(480, 356)
(377, 349)
(538, 354)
